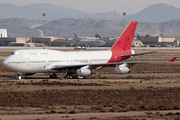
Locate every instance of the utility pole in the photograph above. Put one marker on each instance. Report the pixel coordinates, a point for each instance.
(114, 15)
(162, 34)
(58, 30)
(124, 14)
(44, 14)
(162, 37)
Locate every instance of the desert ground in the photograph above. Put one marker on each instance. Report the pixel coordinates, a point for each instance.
(150, 91)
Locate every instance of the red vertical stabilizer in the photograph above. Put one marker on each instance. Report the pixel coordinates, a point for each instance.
(123, 44)
(125, 40)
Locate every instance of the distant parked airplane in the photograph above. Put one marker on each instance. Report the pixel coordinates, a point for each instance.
(86, 42)
(78, 63)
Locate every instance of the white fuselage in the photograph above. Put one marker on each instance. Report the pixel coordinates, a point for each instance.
(40, 61)
(90, 42)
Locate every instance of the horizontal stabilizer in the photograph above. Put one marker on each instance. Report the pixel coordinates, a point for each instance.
(135, 54)
(172, 60)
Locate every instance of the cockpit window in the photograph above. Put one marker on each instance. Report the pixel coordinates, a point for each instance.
(13, 53)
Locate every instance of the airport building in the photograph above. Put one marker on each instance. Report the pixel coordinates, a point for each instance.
(109, 41)
(159, 40)
(69, 42)
(47, 41)
(8, 41)
(137, 43)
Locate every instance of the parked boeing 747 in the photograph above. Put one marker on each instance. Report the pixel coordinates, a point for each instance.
(78, 63)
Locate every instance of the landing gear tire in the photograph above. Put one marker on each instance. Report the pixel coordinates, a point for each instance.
(18, 77)
(50, 76)
(53, 76)
(68, 76)
(75, 77)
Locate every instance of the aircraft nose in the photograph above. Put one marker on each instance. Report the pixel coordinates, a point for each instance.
(5, 63)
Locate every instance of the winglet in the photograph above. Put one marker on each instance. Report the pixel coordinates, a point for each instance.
(172, 60)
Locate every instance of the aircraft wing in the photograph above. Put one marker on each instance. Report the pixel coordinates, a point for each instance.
(59, 67)
(135, 54)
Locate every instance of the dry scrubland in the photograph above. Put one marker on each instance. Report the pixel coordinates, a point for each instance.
(104, 95)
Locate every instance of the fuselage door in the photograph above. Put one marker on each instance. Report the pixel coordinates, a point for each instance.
(71, 62)
(28, 62)
(89, 61)
(47, 62)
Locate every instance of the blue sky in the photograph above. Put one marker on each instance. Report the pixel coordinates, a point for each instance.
(99, 6)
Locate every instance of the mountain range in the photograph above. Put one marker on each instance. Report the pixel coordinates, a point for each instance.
(157, 13)
(154, 13)
(28, 21)
(20, 27)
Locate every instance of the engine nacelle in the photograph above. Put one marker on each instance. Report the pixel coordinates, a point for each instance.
(122, 69)
(84, 72)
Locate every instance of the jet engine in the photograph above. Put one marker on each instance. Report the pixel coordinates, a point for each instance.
(122, 69)
(84, 72)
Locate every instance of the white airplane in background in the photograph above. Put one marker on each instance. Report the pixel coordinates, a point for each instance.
(87, 42)
(78, 63)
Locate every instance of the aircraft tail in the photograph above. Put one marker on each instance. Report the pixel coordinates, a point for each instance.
(124, 42)
(76, 37)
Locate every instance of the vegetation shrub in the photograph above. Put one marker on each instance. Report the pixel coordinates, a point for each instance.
(63, 106)
(123, 110)
(115, 107)
(102, 110)
(53, 111)
(72, 112)
(112, 110)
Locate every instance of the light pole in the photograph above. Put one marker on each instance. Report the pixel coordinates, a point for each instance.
(162, 37)
(114, 15)
(58, 29)
(44, 14)
(124, 14)
(162, 34)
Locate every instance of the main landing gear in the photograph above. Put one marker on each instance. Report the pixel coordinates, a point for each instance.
(53, 76)
(69, 74)
(18, 76)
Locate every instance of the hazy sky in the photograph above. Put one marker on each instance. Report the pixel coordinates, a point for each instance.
(98, 6)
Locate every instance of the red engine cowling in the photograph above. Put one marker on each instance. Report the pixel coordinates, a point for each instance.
(84, 72)
(122, 69)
